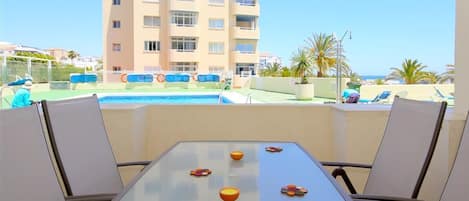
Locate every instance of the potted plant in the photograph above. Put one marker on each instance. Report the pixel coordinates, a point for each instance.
(304, 90)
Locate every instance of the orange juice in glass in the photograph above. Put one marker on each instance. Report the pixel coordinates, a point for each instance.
(229, 193)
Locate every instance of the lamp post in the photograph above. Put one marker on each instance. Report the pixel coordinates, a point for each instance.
(339, 65)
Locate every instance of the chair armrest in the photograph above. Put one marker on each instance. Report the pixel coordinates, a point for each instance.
(97, 197)
(134, 163)
(380, 198)
(345, 164)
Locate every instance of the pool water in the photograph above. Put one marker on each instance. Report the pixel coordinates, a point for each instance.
(164, 99)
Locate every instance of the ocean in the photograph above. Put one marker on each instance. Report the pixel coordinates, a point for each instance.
(372, 77)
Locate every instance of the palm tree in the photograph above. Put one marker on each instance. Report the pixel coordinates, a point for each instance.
(323, 52)
(448, 76)
(72, 55)
(411, 72)
(302, 65)
(431, 77)
(272, 70)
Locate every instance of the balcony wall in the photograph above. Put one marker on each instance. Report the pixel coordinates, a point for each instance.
(350, 133)
(241, 33)
(323, 87)
(246, 10)
(184, 31)
(184, 5)
(239, 57)
(176, 56)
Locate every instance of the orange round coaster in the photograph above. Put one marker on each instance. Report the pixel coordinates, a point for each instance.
(273, 149)
(293, 190)
(200, 172)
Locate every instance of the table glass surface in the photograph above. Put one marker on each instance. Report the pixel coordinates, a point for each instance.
(260, 175)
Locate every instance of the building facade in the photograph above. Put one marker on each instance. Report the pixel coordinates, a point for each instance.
(192, 36)
(266, 59)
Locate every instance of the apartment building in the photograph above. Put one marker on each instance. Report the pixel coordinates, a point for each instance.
(193, 36)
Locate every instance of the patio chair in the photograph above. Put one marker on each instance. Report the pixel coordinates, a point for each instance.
(404, 155)
(443, 96)
(81, 147)
(382, 97)
(27, 172)
(458, 180)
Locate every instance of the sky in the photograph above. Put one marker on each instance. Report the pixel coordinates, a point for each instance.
(384, 32)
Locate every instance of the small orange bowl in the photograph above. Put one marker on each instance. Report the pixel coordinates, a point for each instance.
(229, 193)
(237, 155)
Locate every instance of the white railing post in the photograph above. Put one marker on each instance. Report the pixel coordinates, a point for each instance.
(49, 71)
(4, 70)
(29, 68)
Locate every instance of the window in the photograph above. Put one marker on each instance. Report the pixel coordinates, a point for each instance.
(246, 22)
(246, 2)
(116, 24)
(216, 47)
(184, 44)
(245, 70)
(151, 21)
(184, 18)
(116, 47)
(184, 67)
(116, 69)
(245, 48)
(216, 2)
(116, 2)
(216, 23)
(152, 46)
(216, 69)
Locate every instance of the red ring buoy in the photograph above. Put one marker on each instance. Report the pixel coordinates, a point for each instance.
(160, 78)
(124, 77)
(194, 77)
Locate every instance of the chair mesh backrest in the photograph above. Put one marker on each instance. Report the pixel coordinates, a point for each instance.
(458, 181)
(81, 146)
(406, 148)
(26, 170)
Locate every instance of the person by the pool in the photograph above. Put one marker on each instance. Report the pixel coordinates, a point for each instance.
(350, 95)
(22, 96)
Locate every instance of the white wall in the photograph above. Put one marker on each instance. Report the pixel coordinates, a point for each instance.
(323, 87)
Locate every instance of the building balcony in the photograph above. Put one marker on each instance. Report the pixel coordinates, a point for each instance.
(183, 55)
(245, 57)
(178, 30)
(186, 5)
(246, 9)
(245, 33)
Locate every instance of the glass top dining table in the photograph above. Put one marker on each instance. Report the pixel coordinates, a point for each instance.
(259, 175)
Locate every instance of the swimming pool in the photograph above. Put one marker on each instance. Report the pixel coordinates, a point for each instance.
(163, 99)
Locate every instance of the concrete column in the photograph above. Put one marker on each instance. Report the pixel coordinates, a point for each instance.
(461, 59)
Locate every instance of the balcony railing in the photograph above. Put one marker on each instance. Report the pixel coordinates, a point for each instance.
(184, 30)
(187, 5)
(246, 8)
(246, 32)
(184, 55)
(245, 56)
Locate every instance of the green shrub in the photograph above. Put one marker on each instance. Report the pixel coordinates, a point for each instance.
(62, 73)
